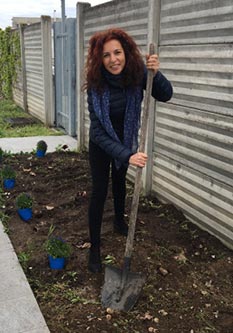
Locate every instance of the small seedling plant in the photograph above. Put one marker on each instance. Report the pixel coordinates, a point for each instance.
(8, 172)
(42, 145)
(24, 200)
(56, 246)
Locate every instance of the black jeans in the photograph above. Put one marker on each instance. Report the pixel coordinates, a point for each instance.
(100, 163)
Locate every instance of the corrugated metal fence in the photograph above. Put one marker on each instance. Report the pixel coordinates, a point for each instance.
(193, 153)
(34, 90)
(191, 137)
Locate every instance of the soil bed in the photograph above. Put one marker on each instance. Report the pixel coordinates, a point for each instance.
(189, 284)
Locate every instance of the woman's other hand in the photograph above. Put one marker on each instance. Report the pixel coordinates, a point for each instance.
(152, 62)
(138, 159)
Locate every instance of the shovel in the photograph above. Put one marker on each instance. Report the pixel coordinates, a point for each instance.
(121, 286)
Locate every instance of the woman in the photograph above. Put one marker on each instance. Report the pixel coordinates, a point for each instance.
(115, 79)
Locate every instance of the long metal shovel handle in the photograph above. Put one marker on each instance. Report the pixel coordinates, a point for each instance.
(137, 185)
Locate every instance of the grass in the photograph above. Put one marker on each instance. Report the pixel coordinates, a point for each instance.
(3, 217)
(8, 109)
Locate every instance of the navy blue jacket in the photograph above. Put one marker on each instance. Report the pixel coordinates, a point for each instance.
(161, 91)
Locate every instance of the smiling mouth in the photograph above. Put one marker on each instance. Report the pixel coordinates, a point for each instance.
(114, 66)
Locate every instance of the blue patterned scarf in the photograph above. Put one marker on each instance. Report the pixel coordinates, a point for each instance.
(132, 116)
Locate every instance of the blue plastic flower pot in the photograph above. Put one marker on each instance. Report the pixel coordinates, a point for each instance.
(9, 183)
(56, 263)
(25, 213)
(40, 153)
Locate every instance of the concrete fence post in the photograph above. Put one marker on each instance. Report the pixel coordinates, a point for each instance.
(47, 70)
(80, 61)
(154, 11)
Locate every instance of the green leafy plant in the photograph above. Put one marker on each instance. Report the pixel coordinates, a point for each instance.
(24, 258)
(109, 260)
(4, 219)
(57, 247)
(41, 145)
(10, 60)
(59, 148)
(8, 172)
(1, 153)
(23, 201)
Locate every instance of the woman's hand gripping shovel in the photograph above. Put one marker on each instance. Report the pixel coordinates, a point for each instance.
(121, 286)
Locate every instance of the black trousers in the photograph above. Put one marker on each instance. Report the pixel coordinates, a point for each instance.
(100, 164)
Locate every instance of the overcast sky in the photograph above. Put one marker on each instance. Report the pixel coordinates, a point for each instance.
(36, 8)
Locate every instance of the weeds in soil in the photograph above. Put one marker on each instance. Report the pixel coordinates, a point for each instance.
(35, 283)
(3, 217)
(109, 260)
(6, 153)
(72, 276)
(73, 296)
(208, 328)
(149, 203)
(161, 252)
(1, 197)
(24, 258)
(62, 291)
(59, 148)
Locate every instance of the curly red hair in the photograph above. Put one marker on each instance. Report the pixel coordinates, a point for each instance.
(133, 71)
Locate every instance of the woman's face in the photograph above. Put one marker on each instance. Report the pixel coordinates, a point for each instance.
(113, 57)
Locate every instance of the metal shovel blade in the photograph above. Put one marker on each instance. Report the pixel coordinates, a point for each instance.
(114, 296)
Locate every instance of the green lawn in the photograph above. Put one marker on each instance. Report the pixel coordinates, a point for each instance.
(8, 109)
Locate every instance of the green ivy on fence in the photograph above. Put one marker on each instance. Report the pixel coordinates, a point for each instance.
(9, 60)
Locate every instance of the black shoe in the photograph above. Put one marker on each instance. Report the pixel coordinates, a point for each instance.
(94, 262)
(121, 228)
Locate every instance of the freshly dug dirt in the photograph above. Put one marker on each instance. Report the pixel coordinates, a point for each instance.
(189, 273)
